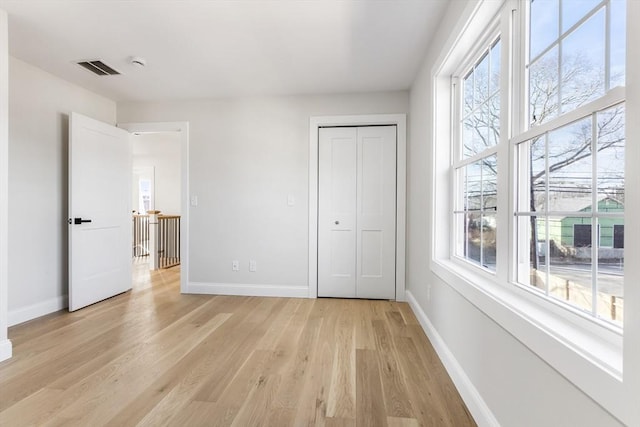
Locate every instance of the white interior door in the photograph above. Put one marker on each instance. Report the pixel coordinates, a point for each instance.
(99, 211)
(337, 212)
(356, 212)
(376, 220)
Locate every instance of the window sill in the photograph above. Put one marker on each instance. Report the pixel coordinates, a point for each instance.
(588, 354)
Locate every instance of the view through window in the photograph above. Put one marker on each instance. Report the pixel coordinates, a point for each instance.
(571, 183)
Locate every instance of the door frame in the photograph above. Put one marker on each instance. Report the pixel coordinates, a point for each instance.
(183, 129)
(400, 121)
(5, 343)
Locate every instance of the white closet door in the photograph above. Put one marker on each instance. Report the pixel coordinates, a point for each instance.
(356, 217)
(337, 214)
(376, 219)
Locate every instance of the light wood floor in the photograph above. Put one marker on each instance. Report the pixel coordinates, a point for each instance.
(154, 357)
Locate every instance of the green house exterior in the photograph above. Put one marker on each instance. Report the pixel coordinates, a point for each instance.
(568, 231)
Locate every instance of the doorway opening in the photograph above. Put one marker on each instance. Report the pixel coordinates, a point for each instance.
(159, 197)
(156, 203)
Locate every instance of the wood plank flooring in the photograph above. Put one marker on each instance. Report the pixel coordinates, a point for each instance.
(153, 357)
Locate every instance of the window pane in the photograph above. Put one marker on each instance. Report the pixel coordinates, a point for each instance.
(583, 63)
(493, 119)
(481, 113)
(495, 68)
(611, 152)
(610, 302)
(473, 186)
(611, 269)
(488, 233)
(543, 88)
(468, 134)
(461, 234)
(575, 10)
(570, 169)
(474, 226)
(606, 230)
(544, 25)
(475, 133)
(490, 183)
(570, 254)
(534, 182)
(468, 93)
(618, 43)
(481, 83)
(537, 243)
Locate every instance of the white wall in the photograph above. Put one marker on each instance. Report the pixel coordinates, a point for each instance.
(5, 344)
(39, 105)
(162, 152)
(246, 156)
(517, 387)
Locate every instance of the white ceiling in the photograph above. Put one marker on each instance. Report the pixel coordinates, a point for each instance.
(214, 48)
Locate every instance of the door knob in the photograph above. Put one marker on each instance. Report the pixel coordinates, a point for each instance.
(337, 222)
(80, 220)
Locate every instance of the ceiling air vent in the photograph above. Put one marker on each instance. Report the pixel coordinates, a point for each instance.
(98, 67)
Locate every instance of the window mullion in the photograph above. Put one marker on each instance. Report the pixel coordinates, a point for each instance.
(595, 221)
(559, 73)
(613, 97)
(546, 217)
(607, 47)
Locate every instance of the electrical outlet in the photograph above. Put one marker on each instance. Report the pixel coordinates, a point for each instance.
(235, 265)
(252, 265)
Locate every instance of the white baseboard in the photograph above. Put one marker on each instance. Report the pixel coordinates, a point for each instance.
(5, 350)
(248, 290)
(33, 311)
(479, 410)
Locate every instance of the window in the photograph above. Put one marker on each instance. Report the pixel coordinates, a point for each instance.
(144, 193)
(618, 236)
(553, 180)
(477, 166)
(570, 165)
(582, 235)
(567, 146)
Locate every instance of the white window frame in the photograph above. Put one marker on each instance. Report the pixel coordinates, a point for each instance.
(524, 132)
(459, 161)
(588, 354)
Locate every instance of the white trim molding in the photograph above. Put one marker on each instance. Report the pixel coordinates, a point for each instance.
(243, 289)
(477, 406)
(400, 121)
(33, 311)
(183, 129)
(6, 350)
(5, 344)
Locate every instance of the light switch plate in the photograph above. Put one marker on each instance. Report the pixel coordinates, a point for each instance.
(235, 265)
(194, 200)
(252, 265)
